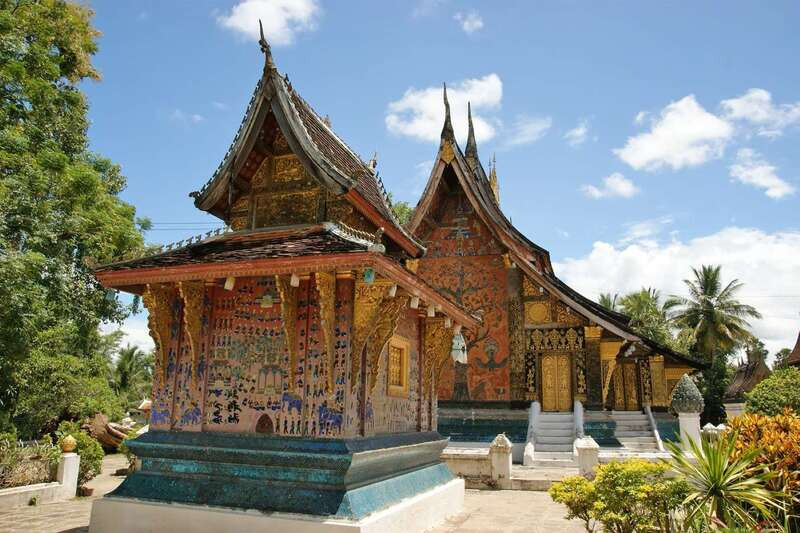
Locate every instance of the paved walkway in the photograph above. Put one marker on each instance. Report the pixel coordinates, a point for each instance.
(510, 511)
(69, 516)
(503, 511)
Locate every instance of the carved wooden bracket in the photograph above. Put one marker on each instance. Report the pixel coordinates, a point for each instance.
(437, 343)
(388, 315)
(326, 287)
(157, 300)
(289, 316)
(367, 305)
(193, 295)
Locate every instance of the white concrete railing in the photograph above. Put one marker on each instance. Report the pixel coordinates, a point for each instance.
(654, 428)
(577, 417)
(481, 468)
(533, 420)
(63, 488)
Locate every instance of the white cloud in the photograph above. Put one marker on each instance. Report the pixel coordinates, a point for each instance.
(135, 331)
(282, 19)
(683, 135)
(767, 264)
(645, 230)
(577, 135)
(222, 106)
(615, 185)
(470, 22)
(756, 107)
(640, 117)
(186, 118)
(751, 169)
(419, 113)
(425, 8)
(527, 130)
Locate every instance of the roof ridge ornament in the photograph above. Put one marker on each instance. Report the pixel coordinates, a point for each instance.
(471, 150)
(447, 128)
(269, 64)
(495, 186)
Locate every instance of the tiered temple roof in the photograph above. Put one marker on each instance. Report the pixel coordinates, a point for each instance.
(794, 357)
(527, 255)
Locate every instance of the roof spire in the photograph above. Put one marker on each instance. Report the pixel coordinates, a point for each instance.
(471, 151)
(493, 180)
(447, 129)
(269, 64)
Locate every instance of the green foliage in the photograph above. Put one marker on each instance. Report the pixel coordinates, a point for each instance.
(61, 387)
(633, 495)
(609, 301)
(131, 375)
(781, 358)
(26, 465)
(724, 486)
(713, 382)
(773, 394)
(686, 397)
(59, 203)
(401, 210)
(89, 450)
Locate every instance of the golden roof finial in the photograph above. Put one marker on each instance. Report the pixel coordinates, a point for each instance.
(447, 129)
(269, 64)
(493, 180)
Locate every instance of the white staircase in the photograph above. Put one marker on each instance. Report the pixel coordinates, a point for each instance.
(633, 431)
(555, 432)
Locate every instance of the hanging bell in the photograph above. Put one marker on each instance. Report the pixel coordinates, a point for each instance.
(459, 349)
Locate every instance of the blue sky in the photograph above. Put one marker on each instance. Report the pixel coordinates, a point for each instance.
(633, 140)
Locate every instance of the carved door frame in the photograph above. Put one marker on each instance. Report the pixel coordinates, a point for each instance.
(626, 386)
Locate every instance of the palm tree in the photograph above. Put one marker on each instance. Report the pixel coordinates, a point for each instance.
(609, 301)
(131, 374)
(712, 312)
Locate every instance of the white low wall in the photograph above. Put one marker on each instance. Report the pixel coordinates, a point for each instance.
(63, 488)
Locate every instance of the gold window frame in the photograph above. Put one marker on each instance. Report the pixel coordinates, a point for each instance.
(401, 343)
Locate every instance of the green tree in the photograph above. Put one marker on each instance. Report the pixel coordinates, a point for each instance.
(609, 301)
(401, 210)
(718, 323)
(59, 203)
(776, 392)
(781, 358)
(131, 375)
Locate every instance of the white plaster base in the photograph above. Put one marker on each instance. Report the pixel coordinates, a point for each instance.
(127, 515)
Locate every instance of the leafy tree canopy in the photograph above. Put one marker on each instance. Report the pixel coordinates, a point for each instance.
(401, 210)
(59, 203)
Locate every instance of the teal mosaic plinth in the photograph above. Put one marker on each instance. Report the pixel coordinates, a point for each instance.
(482, 429)
(602, 432)
(346, 478)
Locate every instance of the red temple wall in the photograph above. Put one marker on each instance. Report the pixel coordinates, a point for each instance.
(465, 262)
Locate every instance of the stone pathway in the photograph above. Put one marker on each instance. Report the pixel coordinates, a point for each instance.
(485, 511)
(70, 516)
(510, 511)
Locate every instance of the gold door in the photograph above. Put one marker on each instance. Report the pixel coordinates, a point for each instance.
(556, 382)
(626, 395)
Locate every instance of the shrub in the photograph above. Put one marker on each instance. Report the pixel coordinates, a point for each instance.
(776, 440)
(88, 449)
(26, 465)
(686, 397)
(773, 394)
(633, 495)
(64, 387)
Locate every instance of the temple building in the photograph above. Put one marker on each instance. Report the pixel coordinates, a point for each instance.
(794, 356)
(297, 354)
(540, 346)
(747, 375)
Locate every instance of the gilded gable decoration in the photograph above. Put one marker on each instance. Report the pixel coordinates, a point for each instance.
(193, 295)
(368, 298)
(565, 315)
(326, 287)
(289, 315)
(555, 339)
(157, 300)
(537, 312)
(447, 152)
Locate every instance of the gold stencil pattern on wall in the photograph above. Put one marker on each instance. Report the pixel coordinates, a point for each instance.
(437, 343)
(388, 315)
(537, 312)
(368, 298)
(559, 339)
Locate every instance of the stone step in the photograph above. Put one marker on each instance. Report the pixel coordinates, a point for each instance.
(627, 413)
(538, 479)
(555, 432)
(640, 446)
(637, 438)
(633, 427)
(627, 434)
(556, 418)
(553, 463)
(545, 447)
(556, 439)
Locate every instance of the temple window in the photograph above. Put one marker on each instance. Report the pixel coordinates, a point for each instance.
(398, 367)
